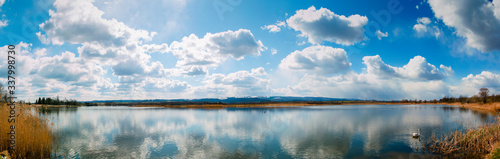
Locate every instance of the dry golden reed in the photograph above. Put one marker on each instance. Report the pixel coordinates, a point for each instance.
(33, 135)
(475, 143)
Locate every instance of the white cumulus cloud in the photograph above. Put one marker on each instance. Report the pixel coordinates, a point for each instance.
(424, 27)
(78, 22)
(380, 35)
(478, 21)
(274, 27)
(4, 23)
(324, 25)
(472, 83)
(320, 59)
(415, 80)
(240, 83)
(417, 69)
(197, 54)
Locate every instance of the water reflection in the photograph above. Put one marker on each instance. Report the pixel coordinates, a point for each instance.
(297, 132)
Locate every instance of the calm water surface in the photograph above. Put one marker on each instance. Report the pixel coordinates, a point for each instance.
(354, 131)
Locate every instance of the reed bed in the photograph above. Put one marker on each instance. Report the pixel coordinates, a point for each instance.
(474, 143)
(33, 135)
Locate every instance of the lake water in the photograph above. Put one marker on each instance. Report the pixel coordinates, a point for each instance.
(347, 131)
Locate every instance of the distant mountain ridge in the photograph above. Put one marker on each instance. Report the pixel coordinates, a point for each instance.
(233, 100)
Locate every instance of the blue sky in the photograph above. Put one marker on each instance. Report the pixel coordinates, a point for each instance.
(123, 49)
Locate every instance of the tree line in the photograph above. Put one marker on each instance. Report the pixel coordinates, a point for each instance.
(55, 101)
(482, 97)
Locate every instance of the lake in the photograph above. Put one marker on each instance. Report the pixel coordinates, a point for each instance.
(344, 131)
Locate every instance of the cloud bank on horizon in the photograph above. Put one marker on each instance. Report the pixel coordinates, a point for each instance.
(91, 50)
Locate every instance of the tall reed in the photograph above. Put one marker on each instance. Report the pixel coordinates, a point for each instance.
(33, 135)
(474, 143)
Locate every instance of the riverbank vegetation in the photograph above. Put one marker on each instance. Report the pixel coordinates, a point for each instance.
(481, 142)
(33, 134)
(55, 101)
(34, 138)
(475, 143)
(483, 97)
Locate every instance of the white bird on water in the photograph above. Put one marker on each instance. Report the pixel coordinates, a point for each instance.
(416, 135)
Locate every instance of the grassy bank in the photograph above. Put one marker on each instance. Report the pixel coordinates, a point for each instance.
(33, 136)
(495, 154)
(475, 143)
(488, 107)
(246, 105)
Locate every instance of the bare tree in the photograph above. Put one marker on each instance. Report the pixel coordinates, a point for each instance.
(483, 93)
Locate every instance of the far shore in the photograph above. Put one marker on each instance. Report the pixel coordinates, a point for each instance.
(487, 143)
(488, 107)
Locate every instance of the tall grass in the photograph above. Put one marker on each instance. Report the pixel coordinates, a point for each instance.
(33, 133)
(474, 143)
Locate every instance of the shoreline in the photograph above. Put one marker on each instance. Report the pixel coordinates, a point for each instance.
(492, 150)
(486, 108)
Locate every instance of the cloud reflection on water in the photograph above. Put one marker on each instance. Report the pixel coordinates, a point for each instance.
(303, 132)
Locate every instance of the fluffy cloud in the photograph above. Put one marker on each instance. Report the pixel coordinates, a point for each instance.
(41, 52)
(113, 62)
(485, 79)
(4, 23)
(274, 51)
(95, 51)
(138, 68)
(478, 21)
(104, 43)
(424, 27)
(78, 22)
(71, 70)
(421, 25)
(67, 68)
(162, 85)
(380, 35)
(240, 78)
(324, 25)
(365, 86)
(241, 83)
(472, 83)
(65, 74)
(196, 54)
(320, 59)
(128, 68)
(417, 69)
(274, 27)
(163, 48)
(415, 80)
(447, 70)
(24, 63)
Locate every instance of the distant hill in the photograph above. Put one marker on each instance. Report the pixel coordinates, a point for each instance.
(231, 100)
